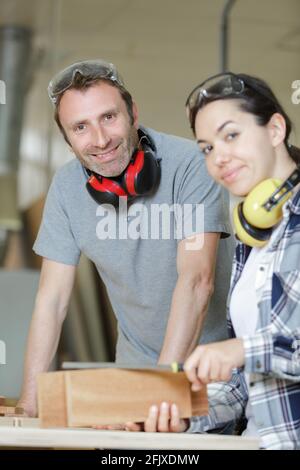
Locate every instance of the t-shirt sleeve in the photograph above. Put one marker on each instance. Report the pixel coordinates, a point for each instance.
(203, 204)
(55, 239)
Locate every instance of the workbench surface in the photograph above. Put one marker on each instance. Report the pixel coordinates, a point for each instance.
(25, 432)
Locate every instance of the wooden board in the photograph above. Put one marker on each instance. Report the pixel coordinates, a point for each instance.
(118, 396)
(107, 396)
(199, 402)
(11, 411)
(29, 435)
(52, 399)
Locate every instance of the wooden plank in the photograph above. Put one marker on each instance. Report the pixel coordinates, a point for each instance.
(116, 365)
(11, 411)
(51, 399)
(26, 432)
(93, 439)
(199, 402)
(110, 396)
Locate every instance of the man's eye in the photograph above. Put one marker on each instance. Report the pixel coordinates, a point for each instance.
(80, 127)
(109, 117)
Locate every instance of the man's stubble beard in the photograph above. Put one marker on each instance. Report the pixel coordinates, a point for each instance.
(130, 144)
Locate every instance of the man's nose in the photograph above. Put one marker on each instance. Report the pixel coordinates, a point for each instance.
(100, 138)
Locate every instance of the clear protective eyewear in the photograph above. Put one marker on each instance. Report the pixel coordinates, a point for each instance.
(90, 68)
(217, 86)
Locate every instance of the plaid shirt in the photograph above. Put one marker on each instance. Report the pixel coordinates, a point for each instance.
(272, 354)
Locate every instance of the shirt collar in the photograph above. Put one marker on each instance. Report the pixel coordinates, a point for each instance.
(293, 204)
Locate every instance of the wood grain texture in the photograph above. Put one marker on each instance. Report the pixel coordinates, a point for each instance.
(11, 411)
(29, 435)
(52, 400)
(199, 402)
(83, 398)
(112, 396)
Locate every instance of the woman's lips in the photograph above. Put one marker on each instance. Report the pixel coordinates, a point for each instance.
(230, 175)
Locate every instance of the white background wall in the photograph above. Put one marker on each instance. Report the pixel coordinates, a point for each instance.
(162, 47)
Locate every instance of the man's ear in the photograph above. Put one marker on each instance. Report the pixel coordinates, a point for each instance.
(135, 115)
(277, 129)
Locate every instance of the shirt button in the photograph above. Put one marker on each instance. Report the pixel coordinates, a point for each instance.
(251, 384)
(261, 268)
(258, 364)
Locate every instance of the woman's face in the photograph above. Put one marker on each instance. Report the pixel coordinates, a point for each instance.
(239, 153)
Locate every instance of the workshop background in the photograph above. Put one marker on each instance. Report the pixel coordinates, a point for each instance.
(162, 48)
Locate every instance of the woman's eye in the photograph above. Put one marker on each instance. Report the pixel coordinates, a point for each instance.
(231, 135)
(206, 149)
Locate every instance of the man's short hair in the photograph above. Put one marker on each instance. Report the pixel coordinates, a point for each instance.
(83, 82)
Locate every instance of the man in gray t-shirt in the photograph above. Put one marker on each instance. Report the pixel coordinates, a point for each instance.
(156, 253)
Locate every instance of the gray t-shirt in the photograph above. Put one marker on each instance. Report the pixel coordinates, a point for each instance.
(139, 269)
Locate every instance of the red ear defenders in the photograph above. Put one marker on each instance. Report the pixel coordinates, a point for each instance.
(262, 209)
(140, 178)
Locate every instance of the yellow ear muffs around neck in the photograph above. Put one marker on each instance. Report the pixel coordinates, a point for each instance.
(253, 222)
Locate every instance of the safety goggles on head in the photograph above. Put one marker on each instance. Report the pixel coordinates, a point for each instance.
(217, 86)
(89, 68)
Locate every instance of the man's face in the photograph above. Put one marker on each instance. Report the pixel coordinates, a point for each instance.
(98, 127)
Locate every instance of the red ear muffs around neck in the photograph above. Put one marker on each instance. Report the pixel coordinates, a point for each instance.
(142, 175)
(105, 190)
(102, 184)
(132, 172)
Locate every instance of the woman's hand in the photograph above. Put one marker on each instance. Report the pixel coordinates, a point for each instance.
(214, 362)
(208, 363)
(163, 418)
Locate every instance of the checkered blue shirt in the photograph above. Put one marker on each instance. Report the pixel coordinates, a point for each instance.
(272, 354)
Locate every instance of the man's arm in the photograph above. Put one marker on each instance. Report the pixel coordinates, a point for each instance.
(194, 287)
(50, 309)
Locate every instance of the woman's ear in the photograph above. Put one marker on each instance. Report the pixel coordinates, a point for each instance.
(277, 129)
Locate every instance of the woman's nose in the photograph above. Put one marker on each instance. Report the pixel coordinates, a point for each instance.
(222, 155)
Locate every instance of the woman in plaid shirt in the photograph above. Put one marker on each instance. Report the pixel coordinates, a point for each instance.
(243, 132)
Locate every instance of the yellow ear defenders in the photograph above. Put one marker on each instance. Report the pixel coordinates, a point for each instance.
(262, 209)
